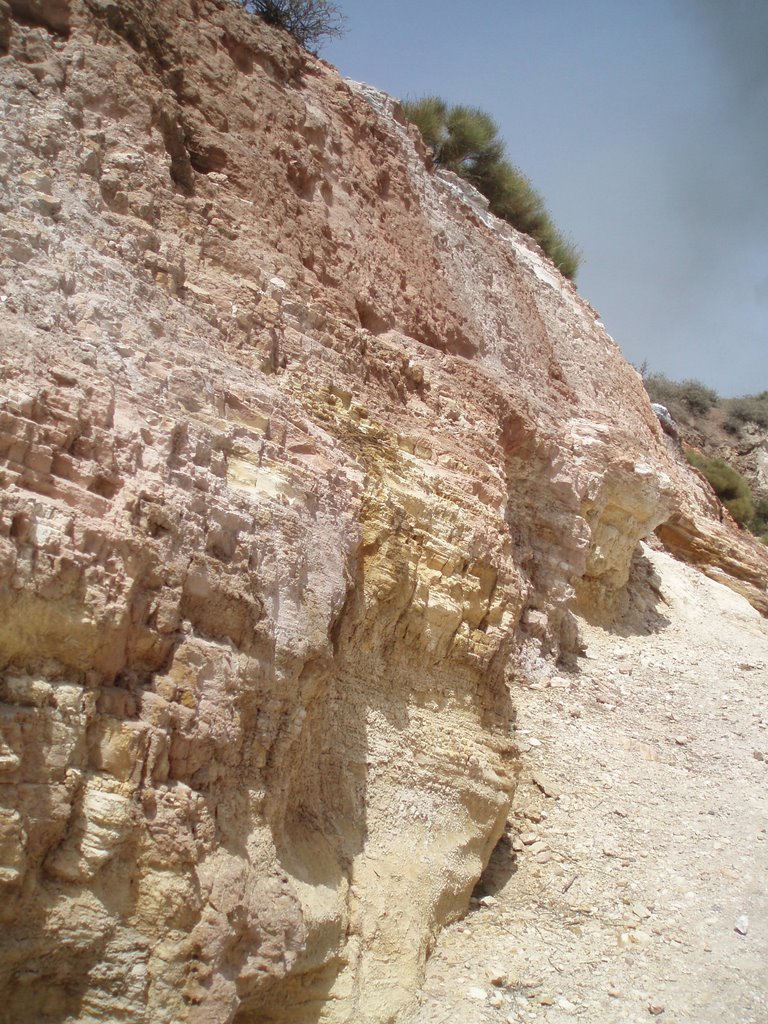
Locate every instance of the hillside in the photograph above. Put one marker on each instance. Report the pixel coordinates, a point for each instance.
(308, 466)
(734, 431)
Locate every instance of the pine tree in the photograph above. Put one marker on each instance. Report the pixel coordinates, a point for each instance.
(466, 140)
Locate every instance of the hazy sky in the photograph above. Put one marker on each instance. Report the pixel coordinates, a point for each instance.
(644, 125)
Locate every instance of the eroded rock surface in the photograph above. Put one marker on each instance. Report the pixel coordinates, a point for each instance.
(299, 448)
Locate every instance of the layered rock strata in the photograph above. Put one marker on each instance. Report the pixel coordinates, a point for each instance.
(299, 449)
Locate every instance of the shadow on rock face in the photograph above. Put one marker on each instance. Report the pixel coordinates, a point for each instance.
(500, 868)
(640, 609)
(637, 609)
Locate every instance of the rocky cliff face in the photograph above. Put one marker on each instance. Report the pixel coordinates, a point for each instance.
(303, 453)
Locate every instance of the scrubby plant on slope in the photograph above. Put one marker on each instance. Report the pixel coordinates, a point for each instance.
(466, 140)
(680, 396)
(750, 409)
(310, 22)
(729, 485)
(759, 522)
(690, 402)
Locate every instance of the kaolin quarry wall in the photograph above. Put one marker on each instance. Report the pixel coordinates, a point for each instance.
(300, 450)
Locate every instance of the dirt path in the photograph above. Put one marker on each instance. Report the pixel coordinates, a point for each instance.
(616, 898)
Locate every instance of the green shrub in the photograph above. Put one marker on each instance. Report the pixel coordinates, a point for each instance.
(310, 22)
(466, 140)
(750, 409)
(729, 485)
(429, 116)
(661, 389)
(470, 141)
(685, 396)
(759, 522)
(698, 397)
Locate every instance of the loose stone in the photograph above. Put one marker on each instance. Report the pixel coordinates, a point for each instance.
(547, 787)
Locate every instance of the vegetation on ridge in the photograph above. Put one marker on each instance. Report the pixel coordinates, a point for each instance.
(679, 396)
(706, 420)
(750, 409)
(728, 484)
(310, 22)
(691, 397)
(466, 140)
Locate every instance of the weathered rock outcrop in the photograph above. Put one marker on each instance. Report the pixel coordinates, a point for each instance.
(300, 448)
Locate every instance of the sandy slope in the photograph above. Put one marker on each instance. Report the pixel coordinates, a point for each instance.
(618, 895)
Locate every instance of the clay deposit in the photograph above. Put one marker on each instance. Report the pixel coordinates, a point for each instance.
(302, 453)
